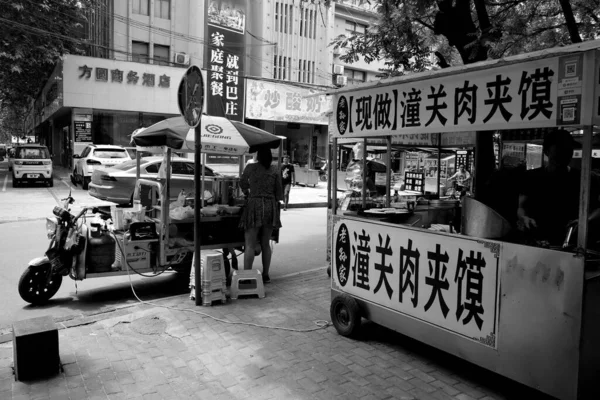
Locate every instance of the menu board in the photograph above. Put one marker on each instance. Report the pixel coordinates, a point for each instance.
(83, 131)
(414, 181)
(462, 158)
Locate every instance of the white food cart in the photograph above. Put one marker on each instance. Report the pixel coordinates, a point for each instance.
(528, 313)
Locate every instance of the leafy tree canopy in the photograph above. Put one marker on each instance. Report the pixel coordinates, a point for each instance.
(467, 31)
(33, 36)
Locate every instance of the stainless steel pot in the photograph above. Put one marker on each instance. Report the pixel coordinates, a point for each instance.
(481, 221)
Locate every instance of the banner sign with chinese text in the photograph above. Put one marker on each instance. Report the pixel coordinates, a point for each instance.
(449, 282)
(279, 102)
(449, 139)
(225, 88)
(516, 96)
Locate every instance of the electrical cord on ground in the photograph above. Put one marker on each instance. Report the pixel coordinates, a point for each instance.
(321, 324)
(123, 258)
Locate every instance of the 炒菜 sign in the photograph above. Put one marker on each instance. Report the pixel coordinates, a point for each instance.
(449, 282)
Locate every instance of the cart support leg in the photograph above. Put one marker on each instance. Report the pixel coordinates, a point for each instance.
(197, 205)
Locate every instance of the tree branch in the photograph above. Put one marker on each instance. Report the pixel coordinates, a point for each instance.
(570, 19)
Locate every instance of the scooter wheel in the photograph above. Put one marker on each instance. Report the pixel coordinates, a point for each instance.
(34, 286)
(323, 178)
(345, 315)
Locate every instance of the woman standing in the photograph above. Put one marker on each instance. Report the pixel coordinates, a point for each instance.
(261, 183)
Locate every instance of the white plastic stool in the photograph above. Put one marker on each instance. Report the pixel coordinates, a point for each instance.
(247, 282)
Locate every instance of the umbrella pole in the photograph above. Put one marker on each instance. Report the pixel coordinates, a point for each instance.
(197, 205)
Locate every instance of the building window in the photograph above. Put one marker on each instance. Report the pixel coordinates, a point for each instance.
(355, 27)
(162, 9)
(161, 55)
(308, 23)
(283, 18)
(282, 67)
(139, 52)
(306, 71)
(141, 7)
(355, 76)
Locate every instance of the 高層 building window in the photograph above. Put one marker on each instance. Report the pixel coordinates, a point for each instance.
(283, 17)
(162, 9)
(161, 55)
(355, 27)
(355, 76)
(141, 7)
(140, 52)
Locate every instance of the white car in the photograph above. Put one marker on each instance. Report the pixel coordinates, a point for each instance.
(31, 163)
(95, 156)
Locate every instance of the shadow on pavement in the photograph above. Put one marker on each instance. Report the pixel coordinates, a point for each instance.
(379, 336)
(169, 284)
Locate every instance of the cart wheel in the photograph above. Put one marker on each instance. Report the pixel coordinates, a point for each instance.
(34, 286)
(345, 315)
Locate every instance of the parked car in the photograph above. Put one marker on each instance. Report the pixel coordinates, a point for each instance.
(117, 184)
(31, 163)
(94, 156)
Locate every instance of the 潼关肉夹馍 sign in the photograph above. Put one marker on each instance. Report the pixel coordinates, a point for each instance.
(447, 282)
(523, 95)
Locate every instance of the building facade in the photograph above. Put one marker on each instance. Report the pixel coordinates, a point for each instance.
(138, 52)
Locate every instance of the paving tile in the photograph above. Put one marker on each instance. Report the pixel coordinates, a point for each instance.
(214, 360)
(471, 391)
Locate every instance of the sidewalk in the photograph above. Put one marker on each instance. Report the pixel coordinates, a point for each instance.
(150, 352)
(300, 196)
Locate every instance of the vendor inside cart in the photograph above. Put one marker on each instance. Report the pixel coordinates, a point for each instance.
(549, 195)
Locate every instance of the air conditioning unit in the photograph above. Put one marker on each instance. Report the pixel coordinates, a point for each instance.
(182, 58)
(341, 80)
(338, 69)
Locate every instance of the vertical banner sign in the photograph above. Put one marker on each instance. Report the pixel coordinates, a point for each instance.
(445, 281)
(226, 28)
(570, 72)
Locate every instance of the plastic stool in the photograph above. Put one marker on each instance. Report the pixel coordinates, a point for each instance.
(247, 282)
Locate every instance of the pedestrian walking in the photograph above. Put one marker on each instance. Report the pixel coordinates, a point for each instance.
(288, 178)
(261, 183)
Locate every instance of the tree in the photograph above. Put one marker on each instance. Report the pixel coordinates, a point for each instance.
(467, 31)
(34, 34)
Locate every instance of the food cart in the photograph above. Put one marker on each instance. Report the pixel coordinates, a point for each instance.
(221, 198)
(528, 313)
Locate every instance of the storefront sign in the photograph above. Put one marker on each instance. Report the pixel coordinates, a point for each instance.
(83, 131)
(446, 281)
(516, 96)
(117, 76)
(271, 101)
(226, 28)
(516, 150)
(414, 181)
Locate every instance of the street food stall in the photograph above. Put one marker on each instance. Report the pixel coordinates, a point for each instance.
(221, 201)
(526, 310)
